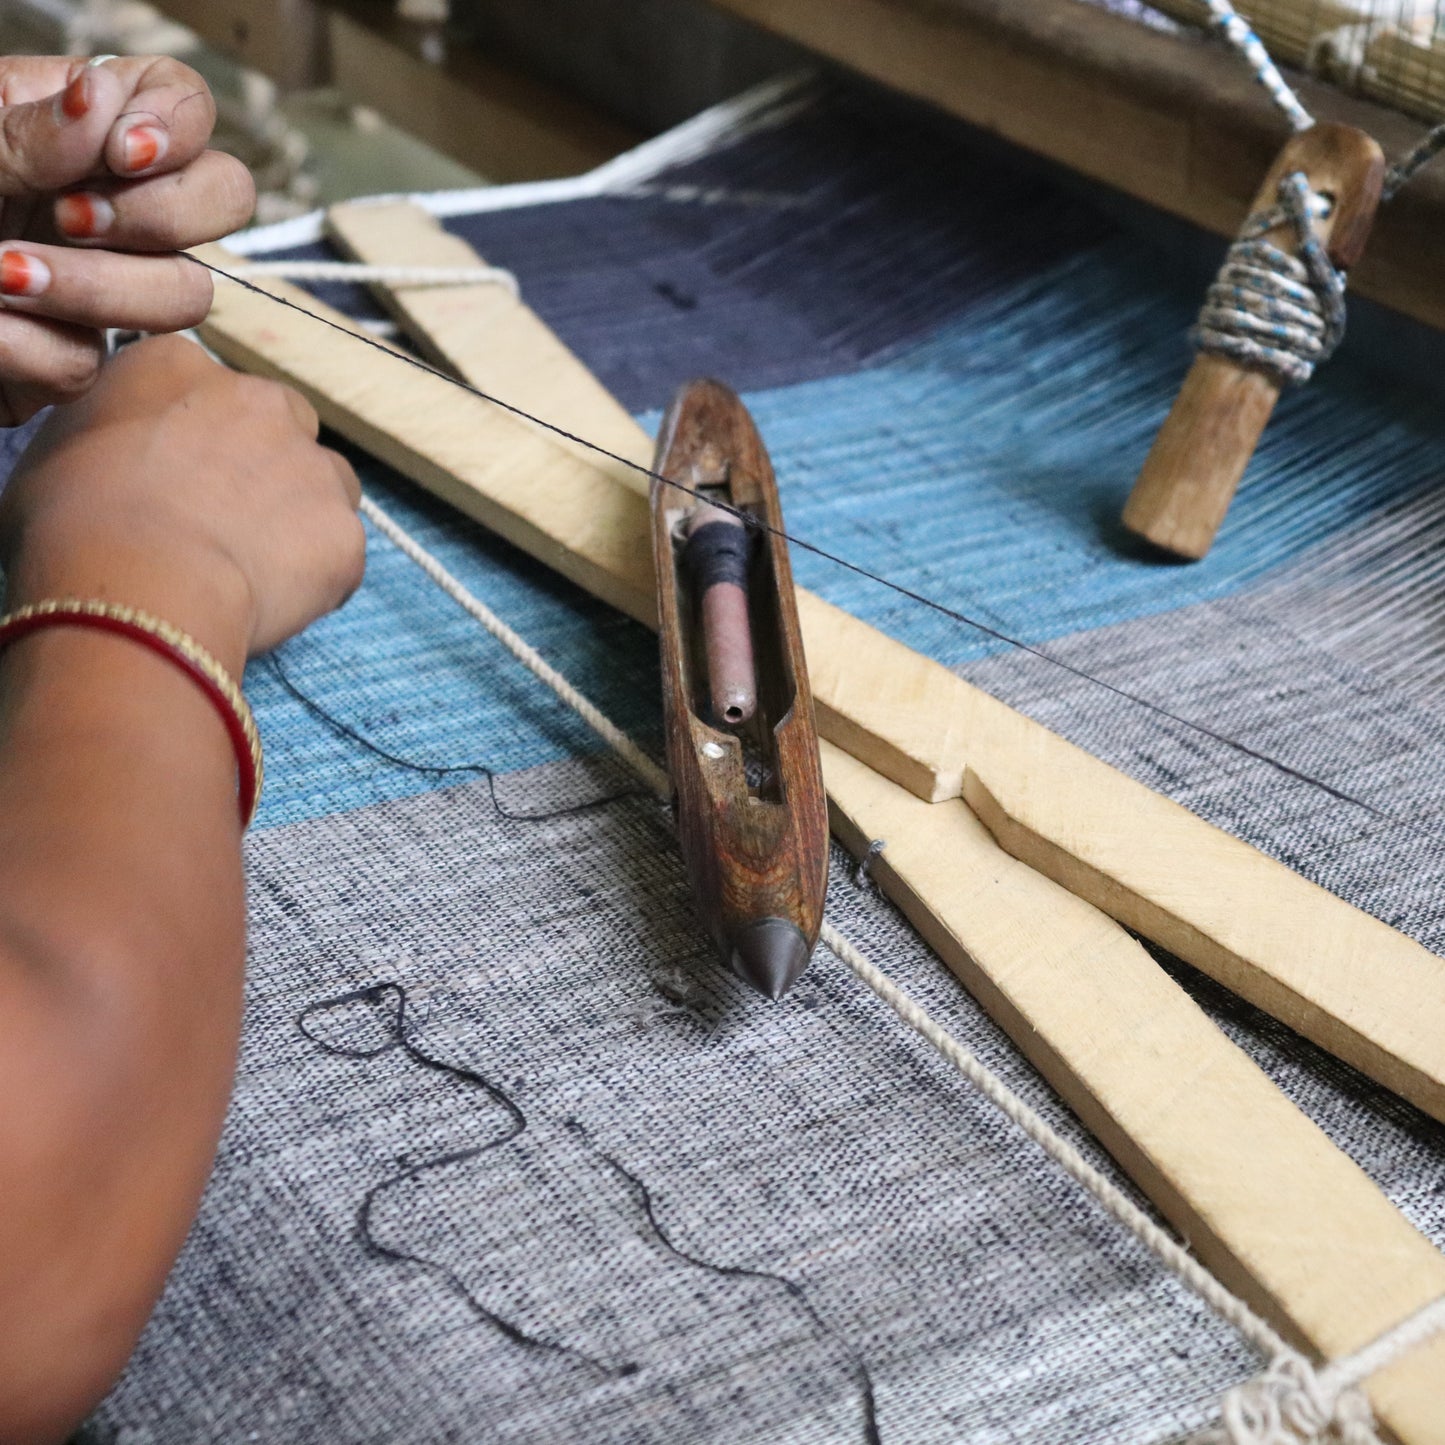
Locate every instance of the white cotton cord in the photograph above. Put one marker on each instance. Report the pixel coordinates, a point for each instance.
(1173, 1255)
(1226, 19)
(1269, 309)
(1290, 1403)
(360, 273)
(654, 776)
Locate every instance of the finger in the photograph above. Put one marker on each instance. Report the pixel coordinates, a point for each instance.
(302, 410)
(346, 475)
(43, 362)
(165, 120)
(59, 139)
(210, 198)
(104, 288)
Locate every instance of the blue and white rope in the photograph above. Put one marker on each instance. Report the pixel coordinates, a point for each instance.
(1235, 29)
(1269, 309)
(1225, 18)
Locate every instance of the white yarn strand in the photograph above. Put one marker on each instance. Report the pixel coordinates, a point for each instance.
(356, 271)
(1290, 1402)
(655, 777)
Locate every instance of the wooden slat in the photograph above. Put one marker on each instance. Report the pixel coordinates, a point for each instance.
(456, 327)
(901, 713)
(1285, 1218)
(505, 124)
(1172, 120)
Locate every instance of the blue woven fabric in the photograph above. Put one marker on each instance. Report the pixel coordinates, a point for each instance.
(957, 382)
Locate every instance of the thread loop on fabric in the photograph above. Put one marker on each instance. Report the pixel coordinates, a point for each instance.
(1291, 1403)
(1277, 312)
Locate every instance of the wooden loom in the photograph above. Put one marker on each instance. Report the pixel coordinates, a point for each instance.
(1010, 850)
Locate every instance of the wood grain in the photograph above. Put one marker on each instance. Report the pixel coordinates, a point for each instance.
(1280, 1214)
(904, 715)
(1200, 454)
(749, 857)
(456, 327)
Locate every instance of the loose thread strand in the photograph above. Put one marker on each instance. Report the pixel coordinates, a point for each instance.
(1290, 1376)
(1243, 749)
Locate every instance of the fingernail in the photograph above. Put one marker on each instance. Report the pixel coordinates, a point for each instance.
(83, 215)
(22, 274)
(143, 146)
(74, 100)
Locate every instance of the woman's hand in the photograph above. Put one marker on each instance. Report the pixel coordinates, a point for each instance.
(200, 496)
(181, 488)
(99, 166)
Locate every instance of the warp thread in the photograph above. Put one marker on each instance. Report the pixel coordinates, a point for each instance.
(648, 770)
(1280, 313)
(1173, 1255)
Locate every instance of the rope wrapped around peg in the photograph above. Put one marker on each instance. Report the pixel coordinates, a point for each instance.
(1280, 313)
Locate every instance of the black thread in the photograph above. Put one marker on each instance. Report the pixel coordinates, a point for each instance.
(345, 730)
(517, 1125)
(737, 1271)
(1223, 739)
(718, 552)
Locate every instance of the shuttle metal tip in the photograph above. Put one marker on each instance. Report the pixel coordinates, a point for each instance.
(770, 954)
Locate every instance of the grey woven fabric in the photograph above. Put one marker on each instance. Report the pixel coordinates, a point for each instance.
(356, 1275)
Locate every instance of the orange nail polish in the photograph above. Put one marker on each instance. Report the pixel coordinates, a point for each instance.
(143, 147)
(75, 98)
(82, 216)
(22, 275)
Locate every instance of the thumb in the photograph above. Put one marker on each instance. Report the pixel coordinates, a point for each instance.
(48, 144)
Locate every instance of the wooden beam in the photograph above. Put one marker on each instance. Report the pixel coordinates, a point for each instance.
(1280, 1214)
(903, 714)
(1169, 119)
(503, 123)
(507, 125)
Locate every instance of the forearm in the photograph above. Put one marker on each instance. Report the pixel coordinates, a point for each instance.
(121, 956)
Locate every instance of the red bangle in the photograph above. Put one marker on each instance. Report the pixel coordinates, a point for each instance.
(176, 647)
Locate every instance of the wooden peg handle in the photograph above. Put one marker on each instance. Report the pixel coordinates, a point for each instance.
(1190, 475)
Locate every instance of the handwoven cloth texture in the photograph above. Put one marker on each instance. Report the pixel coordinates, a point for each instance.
(956, 382)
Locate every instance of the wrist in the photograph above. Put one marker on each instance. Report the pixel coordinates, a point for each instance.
(198, 590)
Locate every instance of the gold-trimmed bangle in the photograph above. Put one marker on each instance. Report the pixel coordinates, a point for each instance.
(176, 646)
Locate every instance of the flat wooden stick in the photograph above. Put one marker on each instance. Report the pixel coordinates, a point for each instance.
(456, 327)
(902, 714)
(1280, 1214)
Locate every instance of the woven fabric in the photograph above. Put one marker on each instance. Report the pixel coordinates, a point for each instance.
(814, 1143)
(958, 366)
